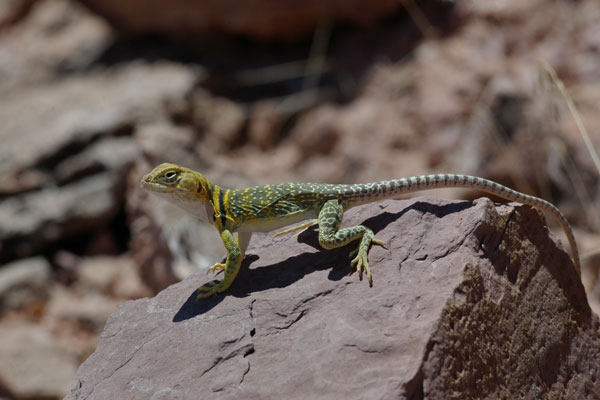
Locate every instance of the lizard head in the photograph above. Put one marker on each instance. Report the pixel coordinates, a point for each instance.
(177, 183)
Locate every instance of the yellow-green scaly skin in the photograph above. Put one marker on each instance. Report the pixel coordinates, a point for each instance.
(269, 207)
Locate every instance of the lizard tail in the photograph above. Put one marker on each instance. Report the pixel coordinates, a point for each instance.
(359, 194)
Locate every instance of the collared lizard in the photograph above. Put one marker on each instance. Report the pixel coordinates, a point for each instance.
(269, 207)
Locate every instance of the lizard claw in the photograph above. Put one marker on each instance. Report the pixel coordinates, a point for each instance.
(379, 242)
(217, 267)
(361, 263)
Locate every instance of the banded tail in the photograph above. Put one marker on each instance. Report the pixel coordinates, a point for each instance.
(359, 194)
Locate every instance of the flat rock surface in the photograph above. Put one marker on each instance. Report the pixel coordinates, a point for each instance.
(470, 300)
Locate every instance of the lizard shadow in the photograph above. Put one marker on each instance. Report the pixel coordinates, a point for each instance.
(380, 221)
(192, 307)
(279, 275)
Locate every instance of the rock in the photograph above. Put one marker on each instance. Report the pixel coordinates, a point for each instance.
(149, 248)
(590, 270)
(24, 282)
(30, 222)
(110, 154)
(266, 121)
(75, 315)
(42, 39)
(112, 276)
(219, 120)
(33, 365)
(259, 19)
(471, 300)
(77, 111)
(318, 133)
(71, 179)
(162, 141)
(13, 11)
(348, 137)
(80, 307)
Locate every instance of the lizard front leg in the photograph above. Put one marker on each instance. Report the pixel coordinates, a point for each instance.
(330, 236)
(232, 267)
(243, 242)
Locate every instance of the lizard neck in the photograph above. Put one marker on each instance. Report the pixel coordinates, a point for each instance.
(199, 204)
(219, 199)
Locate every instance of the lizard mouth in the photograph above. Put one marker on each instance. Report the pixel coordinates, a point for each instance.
(147, 183)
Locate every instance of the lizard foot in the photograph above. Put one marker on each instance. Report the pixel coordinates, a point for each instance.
(361, 262)
(379, 242)
(375, 241)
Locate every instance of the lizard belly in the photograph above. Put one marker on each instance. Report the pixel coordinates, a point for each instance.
(270, 224)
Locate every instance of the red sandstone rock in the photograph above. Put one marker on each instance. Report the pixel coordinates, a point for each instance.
(471, 300)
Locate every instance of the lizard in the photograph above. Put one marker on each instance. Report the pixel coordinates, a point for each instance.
(270, 207)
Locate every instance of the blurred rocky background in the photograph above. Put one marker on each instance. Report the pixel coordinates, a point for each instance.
(94, 93)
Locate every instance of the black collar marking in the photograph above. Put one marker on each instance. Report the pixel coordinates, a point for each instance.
(222, 208)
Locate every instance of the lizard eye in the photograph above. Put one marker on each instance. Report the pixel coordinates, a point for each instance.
(170, 176)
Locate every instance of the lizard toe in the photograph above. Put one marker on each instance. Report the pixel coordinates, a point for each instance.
(217, 267)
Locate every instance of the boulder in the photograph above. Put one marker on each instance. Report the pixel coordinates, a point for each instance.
(24, 282)
(75, 113)
(34, 365)
(72, 308)
(469, 300)
(113, 276)
(68, 179)
(258, 18)
(44, 40)
(30, 222)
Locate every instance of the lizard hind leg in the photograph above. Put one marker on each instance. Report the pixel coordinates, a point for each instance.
(330, 236)
(302, 228)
